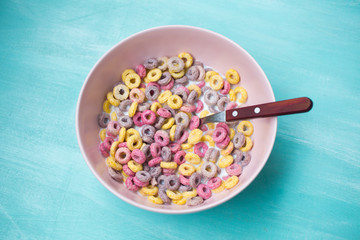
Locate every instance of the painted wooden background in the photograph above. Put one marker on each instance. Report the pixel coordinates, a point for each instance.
(310, 187)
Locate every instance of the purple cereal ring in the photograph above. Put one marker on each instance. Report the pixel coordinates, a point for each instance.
(231, 105)
(238, 156)
(140, 70)
(143, 106)
(162, 112)
(116, 175)
(108, 141)
(188, 108)
(139, 183)
(199, 106)
(125, 105)
(183, 138)
(137, 119)
(195, 201)
(148, 139)
(201, 84)
(175, 64)
(146, 167)
(169, 171)
(138, 156)
(128, 171)
(103, 120)
(174, 182)
(204, 191)
(150, 63)
(174, 147)
(163, 182)
(181, 93)
(207, 154)
(123, 155)
(192, 97)
(125, 121)
(155, 161)
(205, 89)
(162, 137)
(234, 169)
(154, 84)
(223, 125)
(118, 112)
(246, 159)
(194, 122)
(155, 150)
(184, 88)
(195, 179)
(184, 188)
(223, 144)
(208, 169)
(172, 111)
(155, 172)
(166, 154)
(193, 73)
(239, 140)
(129, 183)
(179, 157)
(184, 180)
(164, 79)
(226, 88)
(183, 81)
(221, 104)
(203, 128)
(148, 130)
(159, 122)
(181, 119)
(201, 74)
(148, 117)
(200, 149)
(152, 92)
(103, 150)
(219, 134)
(146, 151)
(214, 183)
(168, 86)
(163, 196)
(198, 63)
(211, 97)
(143, 176)
(113, 128)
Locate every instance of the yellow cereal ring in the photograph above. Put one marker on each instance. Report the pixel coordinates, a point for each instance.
(102, 134)
(175, 102)
(181, 201)
(190, 149)
(216, 82)
(132, 80)
(232, 76)
(189, 194)
(225, 161)
(228, 149)
(125, 175)
(174, 195)
(132, 109)
(126, 72)
(113, 148)
(170, 165)
(211, 125)
(111, 162)
(246, 128)
(146, 80)
(209, 74)
(154, 75)
(204, 113)
(243, 93)
(208, 139)
(177, 75)
(195, 136)
(188, 58)
(220, 188)
(113, 116)
(143, 89)
(155, 106)
(121, 92)
(195, 88)
(149, 190)
(186, 146)
(106, 106)
(186, 169)
(164, 96)
(192, 158)
(130, 132)
(172, 133)
(232, 95)
(231, 182)
(134, 166)
(134, 142)
(122, 134)
(112, 100)
(168, 123)
(248, 145)
(232, 133)
(156, 200)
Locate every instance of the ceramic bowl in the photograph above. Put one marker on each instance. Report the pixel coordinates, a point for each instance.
(209, 47)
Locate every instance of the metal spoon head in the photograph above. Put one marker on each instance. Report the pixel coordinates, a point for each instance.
(217, 117)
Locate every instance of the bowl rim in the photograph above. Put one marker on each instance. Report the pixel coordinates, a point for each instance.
(162, 210)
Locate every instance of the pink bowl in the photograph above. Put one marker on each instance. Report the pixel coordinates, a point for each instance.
(209, 47)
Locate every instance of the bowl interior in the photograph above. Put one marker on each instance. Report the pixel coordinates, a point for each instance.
(211, 48)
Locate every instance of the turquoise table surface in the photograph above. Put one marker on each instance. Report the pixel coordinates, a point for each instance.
(310, 186)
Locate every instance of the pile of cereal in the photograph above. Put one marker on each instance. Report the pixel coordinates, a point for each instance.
(154, 142)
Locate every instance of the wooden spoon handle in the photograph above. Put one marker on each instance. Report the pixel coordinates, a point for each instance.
(290, 106)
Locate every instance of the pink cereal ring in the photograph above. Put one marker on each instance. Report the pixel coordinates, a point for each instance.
(179, 157)
(154, 84)
(123, 144)
(142, 85)
(108, 141)
(234, 169)
(155, 150)
(162, 137)
(136, 95)
(168, 171)
(194, 122)
(128, 171)
(139, 183)
(140, 70)
(174, 147)
(184, 88)
(200, 149)
(226, 88)
(184, 180)
(113, 128)
(225, 126)
(103, 150)
(199, 107)
(138, 156)
(183, 138)
(155, 161)
(203, 128)
(188, 108)
(214, 183)
(203, 191)
(138, 119)
(123, 155)
(231, 105)
(225, 177)
(129, 183)
(224, 143)
(148, 117)
(219, 134)
(168, 86)
(201, 84)
(163, 112)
